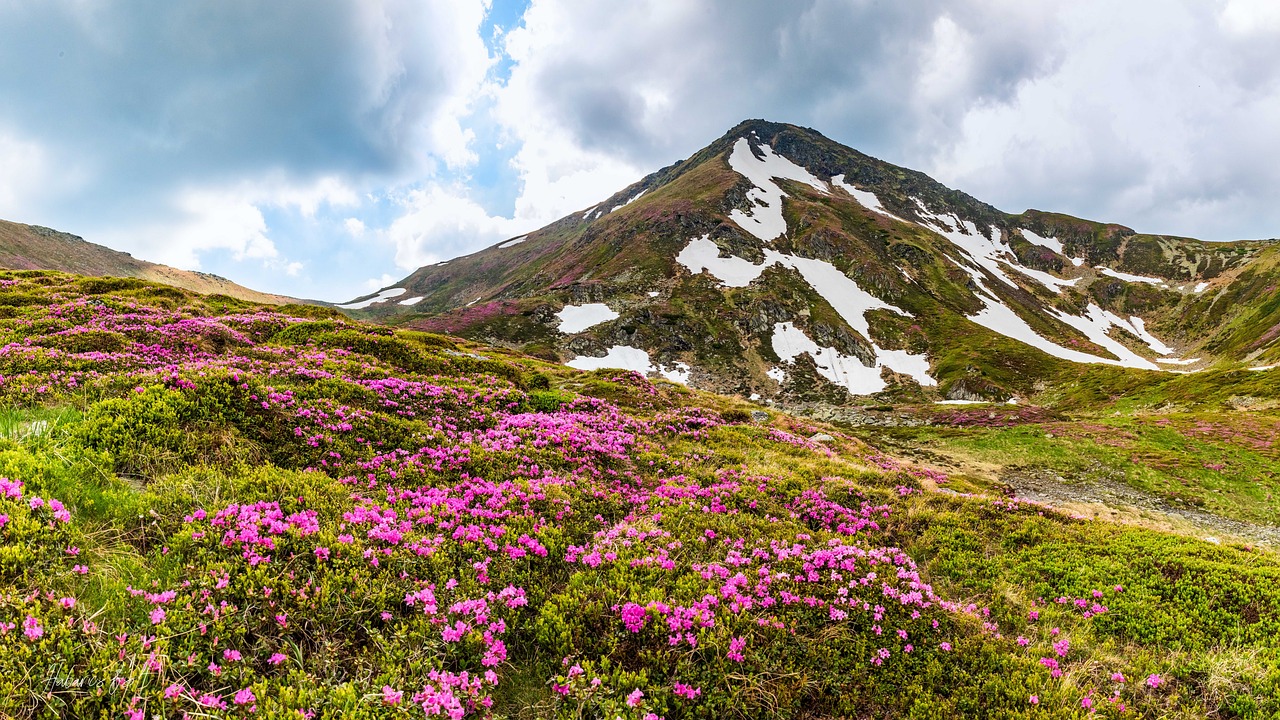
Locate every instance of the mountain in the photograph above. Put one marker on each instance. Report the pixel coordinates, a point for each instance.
(778, 263)
(32, 247)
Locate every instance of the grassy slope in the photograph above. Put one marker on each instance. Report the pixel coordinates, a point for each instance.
(183, 431)
(25, 247)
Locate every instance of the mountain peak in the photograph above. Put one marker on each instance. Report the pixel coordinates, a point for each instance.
(776, 262)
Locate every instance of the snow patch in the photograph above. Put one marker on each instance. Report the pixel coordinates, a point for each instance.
(652, 293)
(765, 220)
(382, 296)
(864, 198)
(622, 357)
(962, 402)
(1262, 368)
(1131, 278)
(1177, 361)
(587, 214)
(998, 317)
(678, 373)
(1095, 325)
(411, 301)
(1053, 244)
(1078, 262)
(732, 271)
(991, 254)
(789, 342)
(576, 318)
(514, 241)
(1140, 329)
(1201, 287)
(628, 202)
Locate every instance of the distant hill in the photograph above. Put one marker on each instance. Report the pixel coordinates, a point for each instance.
(32, 247)
(778, 263)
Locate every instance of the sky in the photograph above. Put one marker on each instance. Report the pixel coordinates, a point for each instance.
(327, 148)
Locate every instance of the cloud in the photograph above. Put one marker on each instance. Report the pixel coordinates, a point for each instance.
(231, 218)
(186, 122)
(1128, 130)
(437, 223)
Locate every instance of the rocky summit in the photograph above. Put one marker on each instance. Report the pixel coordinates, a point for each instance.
(778, 264)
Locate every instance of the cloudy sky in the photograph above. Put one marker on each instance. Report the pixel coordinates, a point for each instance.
(325, 148)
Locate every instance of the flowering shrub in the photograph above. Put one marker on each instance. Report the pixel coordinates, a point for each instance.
(257, 515)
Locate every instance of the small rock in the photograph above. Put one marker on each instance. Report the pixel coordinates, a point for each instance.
(1212, 539)
(821, 437)
(759, 416)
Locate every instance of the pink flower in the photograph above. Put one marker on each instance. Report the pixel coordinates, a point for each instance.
(1154, 681)
(635, 698)
(1117, 677)
(172, 692)
(277, 658)
(157, 616)
(283, 619)
(1035, 700)
(945, 646)
(391, 696)
(686, 691)
(32, 629)
(1023, 641)
(67, 603)
(322, 553)
(231, 655)
(736, 646)
(1086, 703)
(244, 697)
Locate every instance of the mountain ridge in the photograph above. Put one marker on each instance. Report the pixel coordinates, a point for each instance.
(35, 247)
(786, 206)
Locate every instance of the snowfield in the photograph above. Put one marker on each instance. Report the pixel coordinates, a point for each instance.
(1131, 278)
(625, 357)
(382, 296)
(576, 318)
(765, 221)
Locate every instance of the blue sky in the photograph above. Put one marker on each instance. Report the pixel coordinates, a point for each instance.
(326, 148)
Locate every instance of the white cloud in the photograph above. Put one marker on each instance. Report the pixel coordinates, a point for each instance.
(378, 283)
(355, 227)
(1126, 130)
(231, 219)
(1251, 17)
(438, 224)
(24, 170)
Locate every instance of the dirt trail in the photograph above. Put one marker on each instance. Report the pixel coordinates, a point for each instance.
(1117, 501)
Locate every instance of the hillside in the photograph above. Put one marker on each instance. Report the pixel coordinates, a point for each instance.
(31, 247)
(214, 508)
(777, 263)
